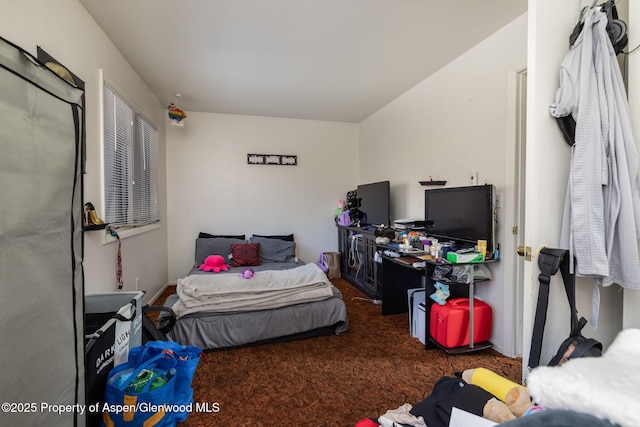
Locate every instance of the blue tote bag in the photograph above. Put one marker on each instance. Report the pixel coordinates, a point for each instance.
(187, 358)
(141, 394)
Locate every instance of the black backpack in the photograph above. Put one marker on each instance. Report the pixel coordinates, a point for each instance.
(549, 261)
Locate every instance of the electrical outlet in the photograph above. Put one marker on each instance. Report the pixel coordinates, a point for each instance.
(499, 197)
(473, 178)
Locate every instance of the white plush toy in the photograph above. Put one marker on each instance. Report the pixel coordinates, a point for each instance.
(607, 387)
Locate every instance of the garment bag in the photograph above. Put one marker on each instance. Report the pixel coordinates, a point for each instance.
(41, 309)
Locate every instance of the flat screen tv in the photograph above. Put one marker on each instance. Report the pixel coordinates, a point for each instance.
(463, 215)
(374, 203)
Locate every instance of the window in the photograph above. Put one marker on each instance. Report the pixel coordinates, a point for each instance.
(130, 182)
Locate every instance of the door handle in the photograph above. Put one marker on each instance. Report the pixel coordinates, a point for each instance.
(525, 251)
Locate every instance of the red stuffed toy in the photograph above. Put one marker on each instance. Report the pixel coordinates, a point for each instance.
(214, 263)
(366, 422)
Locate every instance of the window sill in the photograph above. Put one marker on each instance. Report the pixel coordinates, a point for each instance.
(129, 232)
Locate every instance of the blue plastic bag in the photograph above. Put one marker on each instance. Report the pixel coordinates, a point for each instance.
(140, 394)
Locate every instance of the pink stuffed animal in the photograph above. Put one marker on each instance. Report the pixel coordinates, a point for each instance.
(214, 263)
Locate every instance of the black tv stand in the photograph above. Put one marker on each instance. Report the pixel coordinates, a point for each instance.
(378, 277)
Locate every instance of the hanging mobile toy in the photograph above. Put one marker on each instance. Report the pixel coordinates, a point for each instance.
(175, 113)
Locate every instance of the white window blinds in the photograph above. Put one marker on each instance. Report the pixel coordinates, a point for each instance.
(131, 195)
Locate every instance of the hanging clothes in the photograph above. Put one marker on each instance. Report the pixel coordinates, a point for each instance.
(601, 218)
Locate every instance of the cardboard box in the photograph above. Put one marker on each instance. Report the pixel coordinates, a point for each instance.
(465, 257)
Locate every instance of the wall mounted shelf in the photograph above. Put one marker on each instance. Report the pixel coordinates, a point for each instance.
(90, 227)
(433, 182)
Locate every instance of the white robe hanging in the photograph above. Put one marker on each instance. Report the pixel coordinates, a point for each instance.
(602, 213)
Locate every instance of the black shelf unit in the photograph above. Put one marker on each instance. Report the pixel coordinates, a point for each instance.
(457, 289)
(358, 262)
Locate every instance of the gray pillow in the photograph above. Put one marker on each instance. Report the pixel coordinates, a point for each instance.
(275, 250)
(214, 246)
(287, 237)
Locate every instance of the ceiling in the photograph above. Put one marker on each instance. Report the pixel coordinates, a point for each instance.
(338, 60)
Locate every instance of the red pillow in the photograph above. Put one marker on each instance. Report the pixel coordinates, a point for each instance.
(245, 254)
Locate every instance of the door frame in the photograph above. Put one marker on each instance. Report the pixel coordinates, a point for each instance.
(514, 213)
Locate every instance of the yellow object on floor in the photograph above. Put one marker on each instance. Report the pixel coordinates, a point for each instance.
(492, 382)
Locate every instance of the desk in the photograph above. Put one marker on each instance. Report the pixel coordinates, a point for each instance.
(397, 278)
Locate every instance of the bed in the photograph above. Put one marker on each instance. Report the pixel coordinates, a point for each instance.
(286, 299)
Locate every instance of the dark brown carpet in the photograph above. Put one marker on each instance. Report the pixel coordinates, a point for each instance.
(329, 381)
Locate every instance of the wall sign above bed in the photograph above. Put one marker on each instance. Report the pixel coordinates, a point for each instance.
(272, 159)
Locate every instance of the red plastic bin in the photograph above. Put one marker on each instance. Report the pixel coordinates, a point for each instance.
(449, 323)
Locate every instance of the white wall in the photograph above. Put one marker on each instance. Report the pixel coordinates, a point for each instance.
(66, 31)
(211, 188)
(453, 123)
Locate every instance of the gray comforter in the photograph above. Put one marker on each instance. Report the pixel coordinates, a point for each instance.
(211, 330)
